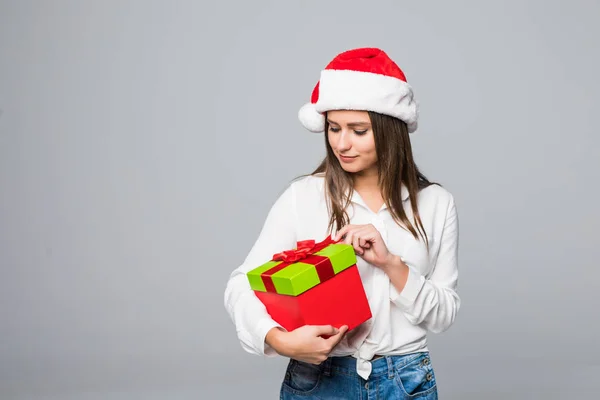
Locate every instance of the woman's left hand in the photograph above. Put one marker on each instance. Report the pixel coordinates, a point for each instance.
(367, 243)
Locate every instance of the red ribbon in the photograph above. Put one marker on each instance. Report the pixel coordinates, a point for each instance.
(304, 250)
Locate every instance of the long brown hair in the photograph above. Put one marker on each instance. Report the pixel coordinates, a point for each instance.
(395, 165)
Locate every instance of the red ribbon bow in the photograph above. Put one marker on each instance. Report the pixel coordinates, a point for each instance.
(303, 249)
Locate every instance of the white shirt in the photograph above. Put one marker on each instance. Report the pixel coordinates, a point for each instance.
(428, 301)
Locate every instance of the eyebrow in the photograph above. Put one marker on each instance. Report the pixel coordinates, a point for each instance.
(351, 124)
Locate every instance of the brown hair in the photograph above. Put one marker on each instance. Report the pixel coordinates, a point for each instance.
(396, 166)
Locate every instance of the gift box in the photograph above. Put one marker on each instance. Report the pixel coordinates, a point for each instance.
(313, 284)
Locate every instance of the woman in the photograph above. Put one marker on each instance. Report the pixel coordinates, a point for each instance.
(369, 193)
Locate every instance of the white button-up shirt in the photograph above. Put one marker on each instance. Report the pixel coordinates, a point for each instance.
(428, 301)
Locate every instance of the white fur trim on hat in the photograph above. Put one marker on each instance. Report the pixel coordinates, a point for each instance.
(311, 118)
(365, 91)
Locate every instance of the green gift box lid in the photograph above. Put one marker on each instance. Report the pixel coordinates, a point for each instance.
(293, 272)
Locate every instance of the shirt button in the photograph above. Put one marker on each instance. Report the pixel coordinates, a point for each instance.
(367, 385)
(429, 376)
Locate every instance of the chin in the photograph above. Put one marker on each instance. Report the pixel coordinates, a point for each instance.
(353, 169)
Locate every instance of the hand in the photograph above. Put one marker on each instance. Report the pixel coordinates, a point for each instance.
(305, 343)
(367, 243)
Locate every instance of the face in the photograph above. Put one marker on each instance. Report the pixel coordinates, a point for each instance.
(351, 138)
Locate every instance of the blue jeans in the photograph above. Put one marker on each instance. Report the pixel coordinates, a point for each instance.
(393, 377)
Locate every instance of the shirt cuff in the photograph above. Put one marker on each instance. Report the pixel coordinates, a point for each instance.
(262, 328)
(408, 295)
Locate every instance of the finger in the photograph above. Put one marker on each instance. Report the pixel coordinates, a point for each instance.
(328, 330)
(338, 336)
(356, 243)
(342, 232)
(315, 360)
(348, 233)
(348, 237)
(366, 236)
(335, 339)
(363, 243)
(371, 233)
(318, 360)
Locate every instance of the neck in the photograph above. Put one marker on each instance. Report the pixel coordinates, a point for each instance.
(366, 180)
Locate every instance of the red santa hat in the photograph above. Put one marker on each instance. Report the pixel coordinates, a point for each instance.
(363, 79)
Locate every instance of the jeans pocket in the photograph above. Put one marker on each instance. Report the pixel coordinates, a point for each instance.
(301, 377)
(416, 379)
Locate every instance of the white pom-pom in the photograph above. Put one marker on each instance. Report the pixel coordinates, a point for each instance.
(312, 120)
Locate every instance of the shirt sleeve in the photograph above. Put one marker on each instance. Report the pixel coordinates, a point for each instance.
(251, 319)
(433, 301)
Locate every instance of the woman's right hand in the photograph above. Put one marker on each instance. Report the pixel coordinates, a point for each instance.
(305, 343)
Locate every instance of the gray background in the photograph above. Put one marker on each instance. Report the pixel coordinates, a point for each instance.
(143, 142)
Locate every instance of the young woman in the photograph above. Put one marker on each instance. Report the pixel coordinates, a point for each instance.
(369, 193)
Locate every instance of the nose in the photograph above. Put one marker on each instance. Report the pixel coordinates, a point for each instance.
(344, 142)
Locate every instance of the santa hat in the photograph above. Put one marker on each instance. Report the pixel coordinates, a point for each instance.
(363, 79)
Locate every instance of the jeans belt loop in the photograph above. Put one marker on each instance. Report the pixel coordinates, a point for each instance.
(390, 366)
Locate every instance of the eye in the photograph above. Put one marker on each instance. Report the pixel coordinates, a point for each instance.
(332, 129)
(361, 132)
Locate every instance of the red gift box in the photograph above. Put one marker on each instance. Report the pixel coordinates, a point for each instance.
(314, 284)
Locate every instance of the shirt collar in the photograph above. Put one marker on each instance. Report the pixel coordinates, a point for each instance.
(356, 198)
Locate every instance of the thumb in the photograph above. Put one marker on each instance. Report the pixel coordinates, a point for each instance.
(341, 232)
(335, 339)
(325, 330)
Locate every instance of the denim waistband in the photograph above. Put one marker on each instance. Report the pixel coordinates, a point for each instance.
(385, 365)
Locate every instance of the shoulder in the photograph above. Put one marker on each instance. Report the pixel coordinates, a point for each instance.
(308, 185)
(436, 198)
(301, 190)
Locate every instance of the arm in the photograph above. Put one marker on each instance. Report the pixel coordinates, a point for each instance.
(257, 331)
(431, 301)
(251, 319)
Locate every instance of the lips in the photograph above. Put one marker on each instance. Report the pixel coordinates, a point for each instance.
(346, 158)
